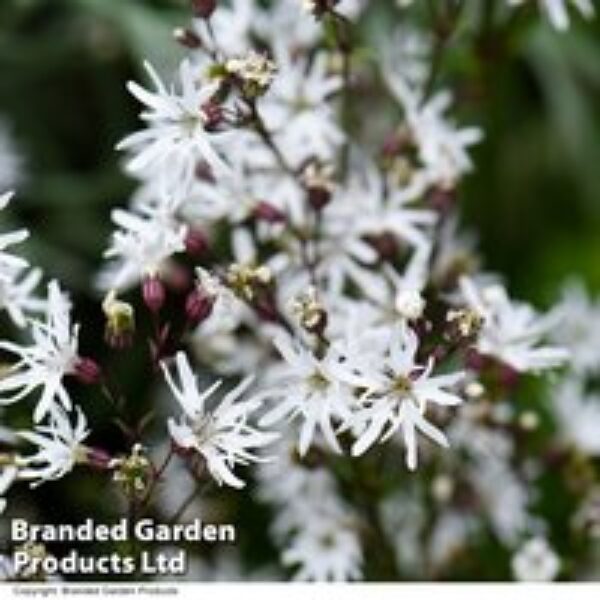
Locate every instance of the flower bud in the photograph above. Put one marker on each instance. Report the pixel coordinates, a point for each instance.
(98, 458)
(87, 371)
(318, 181)
(203, 9)
(187, 38)
(198, 306)
(212, 114)
(196, 243)
(265, 211)
(318, 197)
(120, 321)
(153, 292)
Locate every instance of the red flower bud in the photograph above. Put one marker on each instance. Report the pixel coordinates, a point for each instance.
(319, 197)
(198, 306)
(196, 243)
(266, 211)
(98, 458)
(153, 292)
(212, 113)
(87, 371)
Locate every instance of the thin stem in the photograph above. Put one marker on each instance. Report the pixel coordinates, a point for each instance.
(157, 476)
(444, 27)
(267, 138)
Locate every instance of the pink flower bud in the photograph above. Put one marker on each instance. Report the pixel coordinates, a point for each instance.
(266, 211)
(196, 243)
(212, 113)
(198, 306)
(87, 371)
(98, 458)
(153, 292)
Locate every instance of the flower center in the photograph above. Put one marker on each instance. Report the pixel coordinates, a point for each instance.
(318, 381)
(401, 385)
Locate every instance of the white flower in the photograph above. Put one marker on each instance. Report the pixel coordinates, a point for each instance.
(17, 296)
(501, 491)
(579, 328)
(397, 391)
(143, 244)
(442, 147)
(305, 387)
(317, 530)
(17, 285)
(512, 331)
(230, 26)
(176, 138)
(222, 435)
(578, 415)
(557, 10)
(59, 447)
(410, 304)
(535, 561)
(329, 553)
(45, 363)
(297, 109)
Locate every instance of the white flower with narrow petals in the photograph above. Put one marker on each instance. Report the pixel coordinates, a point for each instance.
(397, 391)
(60, 447)
(176, 138)
(512, 331)
(306, 388)
(297, 108)
(143, 244)
(46, 362)
(222, 435)
(442, 147)
(17, 283)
